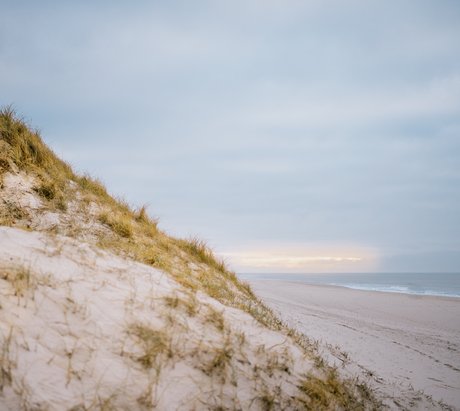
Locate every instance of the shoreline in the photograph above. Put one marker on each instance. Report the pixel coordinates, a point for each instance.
(435, 296)
(353, 284)
(405, 346)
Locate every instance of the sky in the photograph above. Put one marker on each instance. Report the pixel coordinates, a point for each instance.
(292, 136)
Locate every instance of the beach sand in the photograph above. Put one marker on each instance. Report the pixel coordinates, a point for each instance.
(406, 347)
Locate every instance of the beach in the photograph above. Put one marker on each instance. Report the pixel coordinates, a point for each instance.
(406, 347)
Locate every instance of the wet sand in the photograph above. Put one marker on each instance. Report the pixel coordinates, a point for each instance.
(406, 347)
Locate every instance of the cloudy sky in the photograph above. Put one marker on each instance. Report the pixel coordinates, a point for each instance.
(291, 135)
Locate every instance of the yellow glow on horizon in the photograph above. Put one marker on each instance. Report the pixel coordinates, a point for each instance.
(304, 259)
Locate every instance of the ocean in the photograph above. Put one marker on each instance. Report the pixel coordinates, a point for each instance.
(437, 284)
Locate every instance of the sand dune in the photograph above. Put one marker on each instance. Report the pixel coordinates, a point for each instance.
(81, 328)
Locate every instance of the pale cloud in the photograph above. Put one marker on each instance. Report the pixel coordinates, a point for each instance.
(306, 259)
(290, 107)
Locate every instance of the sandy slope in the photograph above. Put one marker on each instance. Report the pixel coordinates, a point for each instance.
(83, 328)
(398, 341)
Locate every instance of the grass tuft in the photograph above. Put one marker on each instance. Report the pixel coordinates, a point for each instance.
(221, 359)
(5, 361)
(51, 192)
(142, 216)
(200, 251)
(153, 342)
(11, 212)
(92, 186)
(268, 401)
(47, 190)
(120, 224)
(20, 279)
(216, 318)
(188, 304)
(329, 393)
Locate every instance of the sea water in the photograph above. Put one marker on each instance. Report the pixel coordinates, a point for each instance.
(437, 284)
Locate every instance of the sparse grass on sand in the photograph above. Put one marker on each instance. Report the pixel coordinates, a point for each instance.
(154, 343)
(20, 279)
